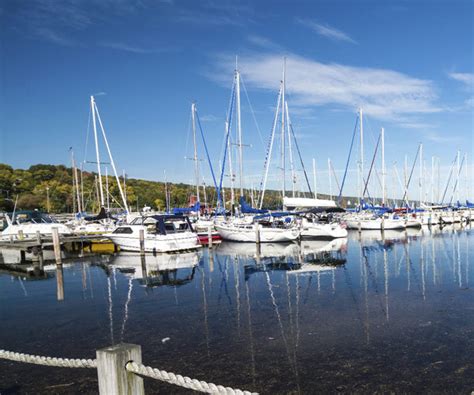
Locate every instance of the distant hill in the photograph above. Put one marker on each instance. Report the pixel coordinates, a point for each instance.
(50, 188)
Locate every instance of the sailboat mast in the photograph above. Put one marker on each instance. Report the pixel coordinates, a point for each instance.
(231, 169)
(383, 166)
(314, 179)
(239, 129)
(76, 182)
(93, 110)
(195, 158)
(282, 145)
(292, 166)
(107, 189)
(330, 180)
(421, 174)
(111, 161)
(361, 123)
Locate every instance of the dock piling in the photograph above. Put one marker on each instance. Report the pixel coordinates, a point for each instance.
(114, 379)
(142, 241)
(56, 245)
(209, 236)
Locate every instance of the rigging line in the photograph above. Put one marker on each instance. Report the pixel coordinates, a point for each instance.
(87, 135)
(457, 179)
(348, 159)
(207, 151)
(253, 112)
(335, 175)
(449, 178)
(187, 134)
(371, 166)
(299, 154)
(411, 172)
(229, 121)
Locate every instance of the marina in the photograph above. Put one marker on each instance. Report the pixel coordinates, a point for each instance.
(236, 197)
(315, 316)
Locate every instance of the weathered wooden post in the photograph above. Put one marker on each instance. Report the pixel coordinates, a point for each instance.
(209, 236)
(144, 271)
(59, 282)
(114, 379)
(57, 246)
(21, 236)
(257, 237)
(142, 241)
(38, 237)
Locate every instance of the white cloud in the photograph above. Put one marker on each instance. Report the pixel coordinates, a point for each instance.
(382, 93)
(134, 49)
(327, 31)
(465, 78)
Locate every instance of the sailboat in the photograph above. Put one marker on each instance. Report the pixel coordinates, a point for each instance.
(102, 222)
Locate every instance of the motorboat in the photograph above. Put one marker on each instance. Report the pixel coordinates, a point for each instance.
(162, 233)
(27, 224)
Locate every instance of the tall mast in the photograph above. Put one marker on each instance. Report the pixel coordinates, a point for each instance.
(330, 180)
(107, 189)
(432, 178)
(292, 166)
(421, 174)
(111, 161)
(383, 167)
(76, 182)
(314, 179)
(231, 169)
(195, 158)
(124, 184)
(239, 129)
(101, 192)
(459, 172)
(361, 123)
(282, 145)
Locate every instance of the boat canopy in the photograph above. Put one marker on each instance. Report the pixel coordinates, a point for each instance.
(300, 203)
(182, 210)
(245, 208)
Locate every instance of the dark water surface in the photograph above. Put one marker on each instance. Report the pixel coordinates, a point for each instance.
(398, 316)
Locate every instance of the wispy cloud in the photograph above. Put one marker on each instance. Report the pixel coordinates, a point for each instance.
(119, 46)
(263, 42)
(209, 118)
(382, 93)
(326, 31)
(465, 78)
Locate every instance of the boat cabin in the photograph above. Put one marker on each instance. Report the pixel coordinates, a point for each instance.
(159, 224)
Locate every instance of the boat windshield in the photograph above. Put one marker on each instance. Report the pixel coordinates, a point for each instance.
(163, 225)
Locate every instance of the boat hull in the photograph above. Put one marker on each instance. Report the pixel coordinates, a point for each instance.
(248, 234)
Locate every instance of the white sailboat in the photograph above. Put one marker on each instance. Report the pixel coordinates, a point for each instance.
(252, 233)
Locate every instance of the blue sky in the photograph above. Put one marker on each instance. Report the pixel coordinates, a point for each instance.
(408, 64)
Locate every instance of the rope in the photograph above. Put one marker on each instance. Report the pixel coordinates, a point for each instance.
(181, 381)
(131, 366)
(48, 361)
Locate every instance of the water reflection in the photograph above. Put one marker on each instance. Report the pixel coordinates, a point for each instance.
(319, 316)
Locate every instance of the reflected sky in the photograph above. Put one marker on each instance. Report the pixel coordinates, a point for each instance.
(367, 313)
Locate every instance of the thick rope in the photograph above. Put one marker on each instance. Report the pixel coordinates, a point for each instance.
(181, 381)
(48, 361)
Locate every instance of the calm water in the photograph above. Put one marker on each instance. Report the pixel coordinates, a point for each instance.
(397, 316)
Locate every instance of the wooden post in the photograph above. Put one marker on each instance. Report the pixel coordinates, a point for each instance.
(21, 236)
(142, 241)
(57, 246)
(59, 282)
(114, 379)
(38, 237)
(257, 233)
(209, 236)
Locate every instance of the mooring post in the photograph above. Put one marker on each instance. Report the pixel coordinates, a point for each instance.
(209, 236)
(114, 379)
(57, 246)
(38, 237)
(142, 241)
(257, 233)
(59, 282)
(21, 236)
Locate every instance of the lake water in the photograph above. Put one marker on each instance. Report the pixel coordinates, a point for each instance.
(397, 316)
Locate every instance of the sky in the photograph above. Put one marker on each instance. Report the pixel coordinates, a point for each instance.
(407, 64)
